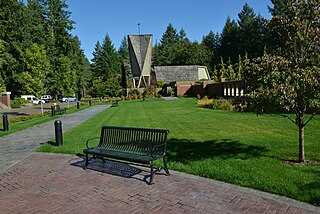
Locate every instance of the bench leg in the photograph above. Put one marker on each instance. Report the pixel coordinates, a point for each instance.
(151, 173)
(86, 162)
(165, 165)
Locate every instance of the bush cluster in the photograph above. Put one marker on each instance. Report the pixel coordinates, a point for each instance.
(221, 104)
(18, 102)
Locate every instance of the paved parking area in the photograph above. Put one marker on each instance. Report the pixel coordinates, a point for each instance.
(55, 183)
(32, 109)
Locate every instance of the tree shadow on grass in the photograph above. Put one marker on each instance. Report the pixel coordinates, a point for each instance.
(184, 151)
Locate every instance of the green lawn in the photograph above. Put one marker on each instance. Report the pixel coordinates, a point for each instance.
(18, 126)
(238, 148)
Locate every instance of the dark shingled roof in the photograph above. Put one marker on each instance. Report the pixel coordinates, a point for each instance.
(178, 73)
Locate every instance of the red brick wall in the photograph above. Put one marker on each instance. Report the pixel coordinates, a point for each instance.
(5, 99)
(208, 88)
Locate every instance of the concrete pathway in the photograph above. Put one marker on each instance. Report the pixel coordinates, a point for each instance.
(170, 98)
(17, 146)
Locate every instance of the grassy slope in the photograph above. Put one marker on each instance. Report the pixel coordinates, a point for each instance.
(239, 148)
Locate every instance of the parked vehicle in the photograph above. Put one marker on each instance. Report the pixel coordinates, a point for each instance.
(46, 98)
(68, 99)
(32, 99)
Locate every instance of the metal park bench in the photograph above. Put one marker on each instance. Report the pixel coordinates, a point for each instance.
(57, 110)
(135, 145)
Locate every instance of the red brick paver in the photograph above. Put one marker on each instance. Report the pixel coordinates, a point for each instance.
(48, 183)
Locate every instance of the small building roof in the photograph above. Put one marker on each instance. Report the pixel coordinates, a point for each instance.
(170, 74)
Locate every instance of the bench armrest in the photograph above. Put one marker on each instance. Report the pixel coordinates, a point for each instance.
(90, 140)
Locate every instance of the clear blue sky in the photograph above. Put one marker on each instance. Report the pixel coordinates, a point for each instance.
(96, 18)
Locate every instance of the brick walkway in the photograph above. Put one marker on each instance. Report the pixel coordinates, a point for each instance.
(51, 183)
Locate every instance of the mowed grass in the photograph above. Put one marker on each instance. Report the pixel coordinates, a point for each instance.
(239, 148)
(18, 126)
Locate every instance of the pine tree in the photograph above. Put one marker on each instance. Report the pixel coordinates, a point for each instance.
(14, 41)
(37, 25)
(229, 40)
(167, 51)
(81, 67)
(110, 59)
(252, 32)
(211, 41)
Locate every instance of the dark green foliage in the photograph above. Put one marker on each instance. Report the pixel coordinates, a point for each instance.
(45, 24)
(245, 38)
(230, 40)
(252, 31)
(106, 68)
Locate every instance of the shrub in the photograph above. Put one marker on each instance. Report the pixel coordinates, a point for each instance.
(225, 105)
(205, 102)
(221, 104)
(18, 102)
(24, 118)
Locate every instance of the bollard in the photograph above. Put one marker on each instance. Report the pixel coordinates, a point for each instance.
(78, 105)
(52, 111)
(89, 102)
(58, 132)
(5, 122)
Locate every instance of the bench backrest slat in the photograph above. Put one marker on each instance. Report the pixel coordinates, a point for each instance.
(139, 140)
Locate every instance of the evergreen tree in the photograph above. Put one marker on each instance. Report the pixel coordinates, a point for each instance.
(2, 85)
(230, 40)
(97, 63)
(167, 51)
(124, 49)
(106, 66)
(125, 62)
(279, 7)
(110, 59)
(273, 39)
(59, 45)
(37, 25)
(252, 32)
(212, 42)
(14, 41)
(59, 25)
(81, 67)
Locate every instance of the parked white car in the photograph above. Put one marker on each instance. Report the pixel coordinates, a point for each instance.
(68, 99)
(32, 99)
(46, 98)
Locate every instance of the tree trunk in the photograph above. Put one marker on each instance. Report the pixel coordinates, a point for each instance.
(301, 143)
(41, 105)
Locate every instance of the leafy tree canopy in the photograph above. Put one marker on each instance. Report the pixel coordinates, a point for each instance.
(289, 77)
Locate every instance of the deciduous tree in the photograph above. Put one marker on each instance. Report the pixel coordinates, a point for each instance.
(289, 77)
